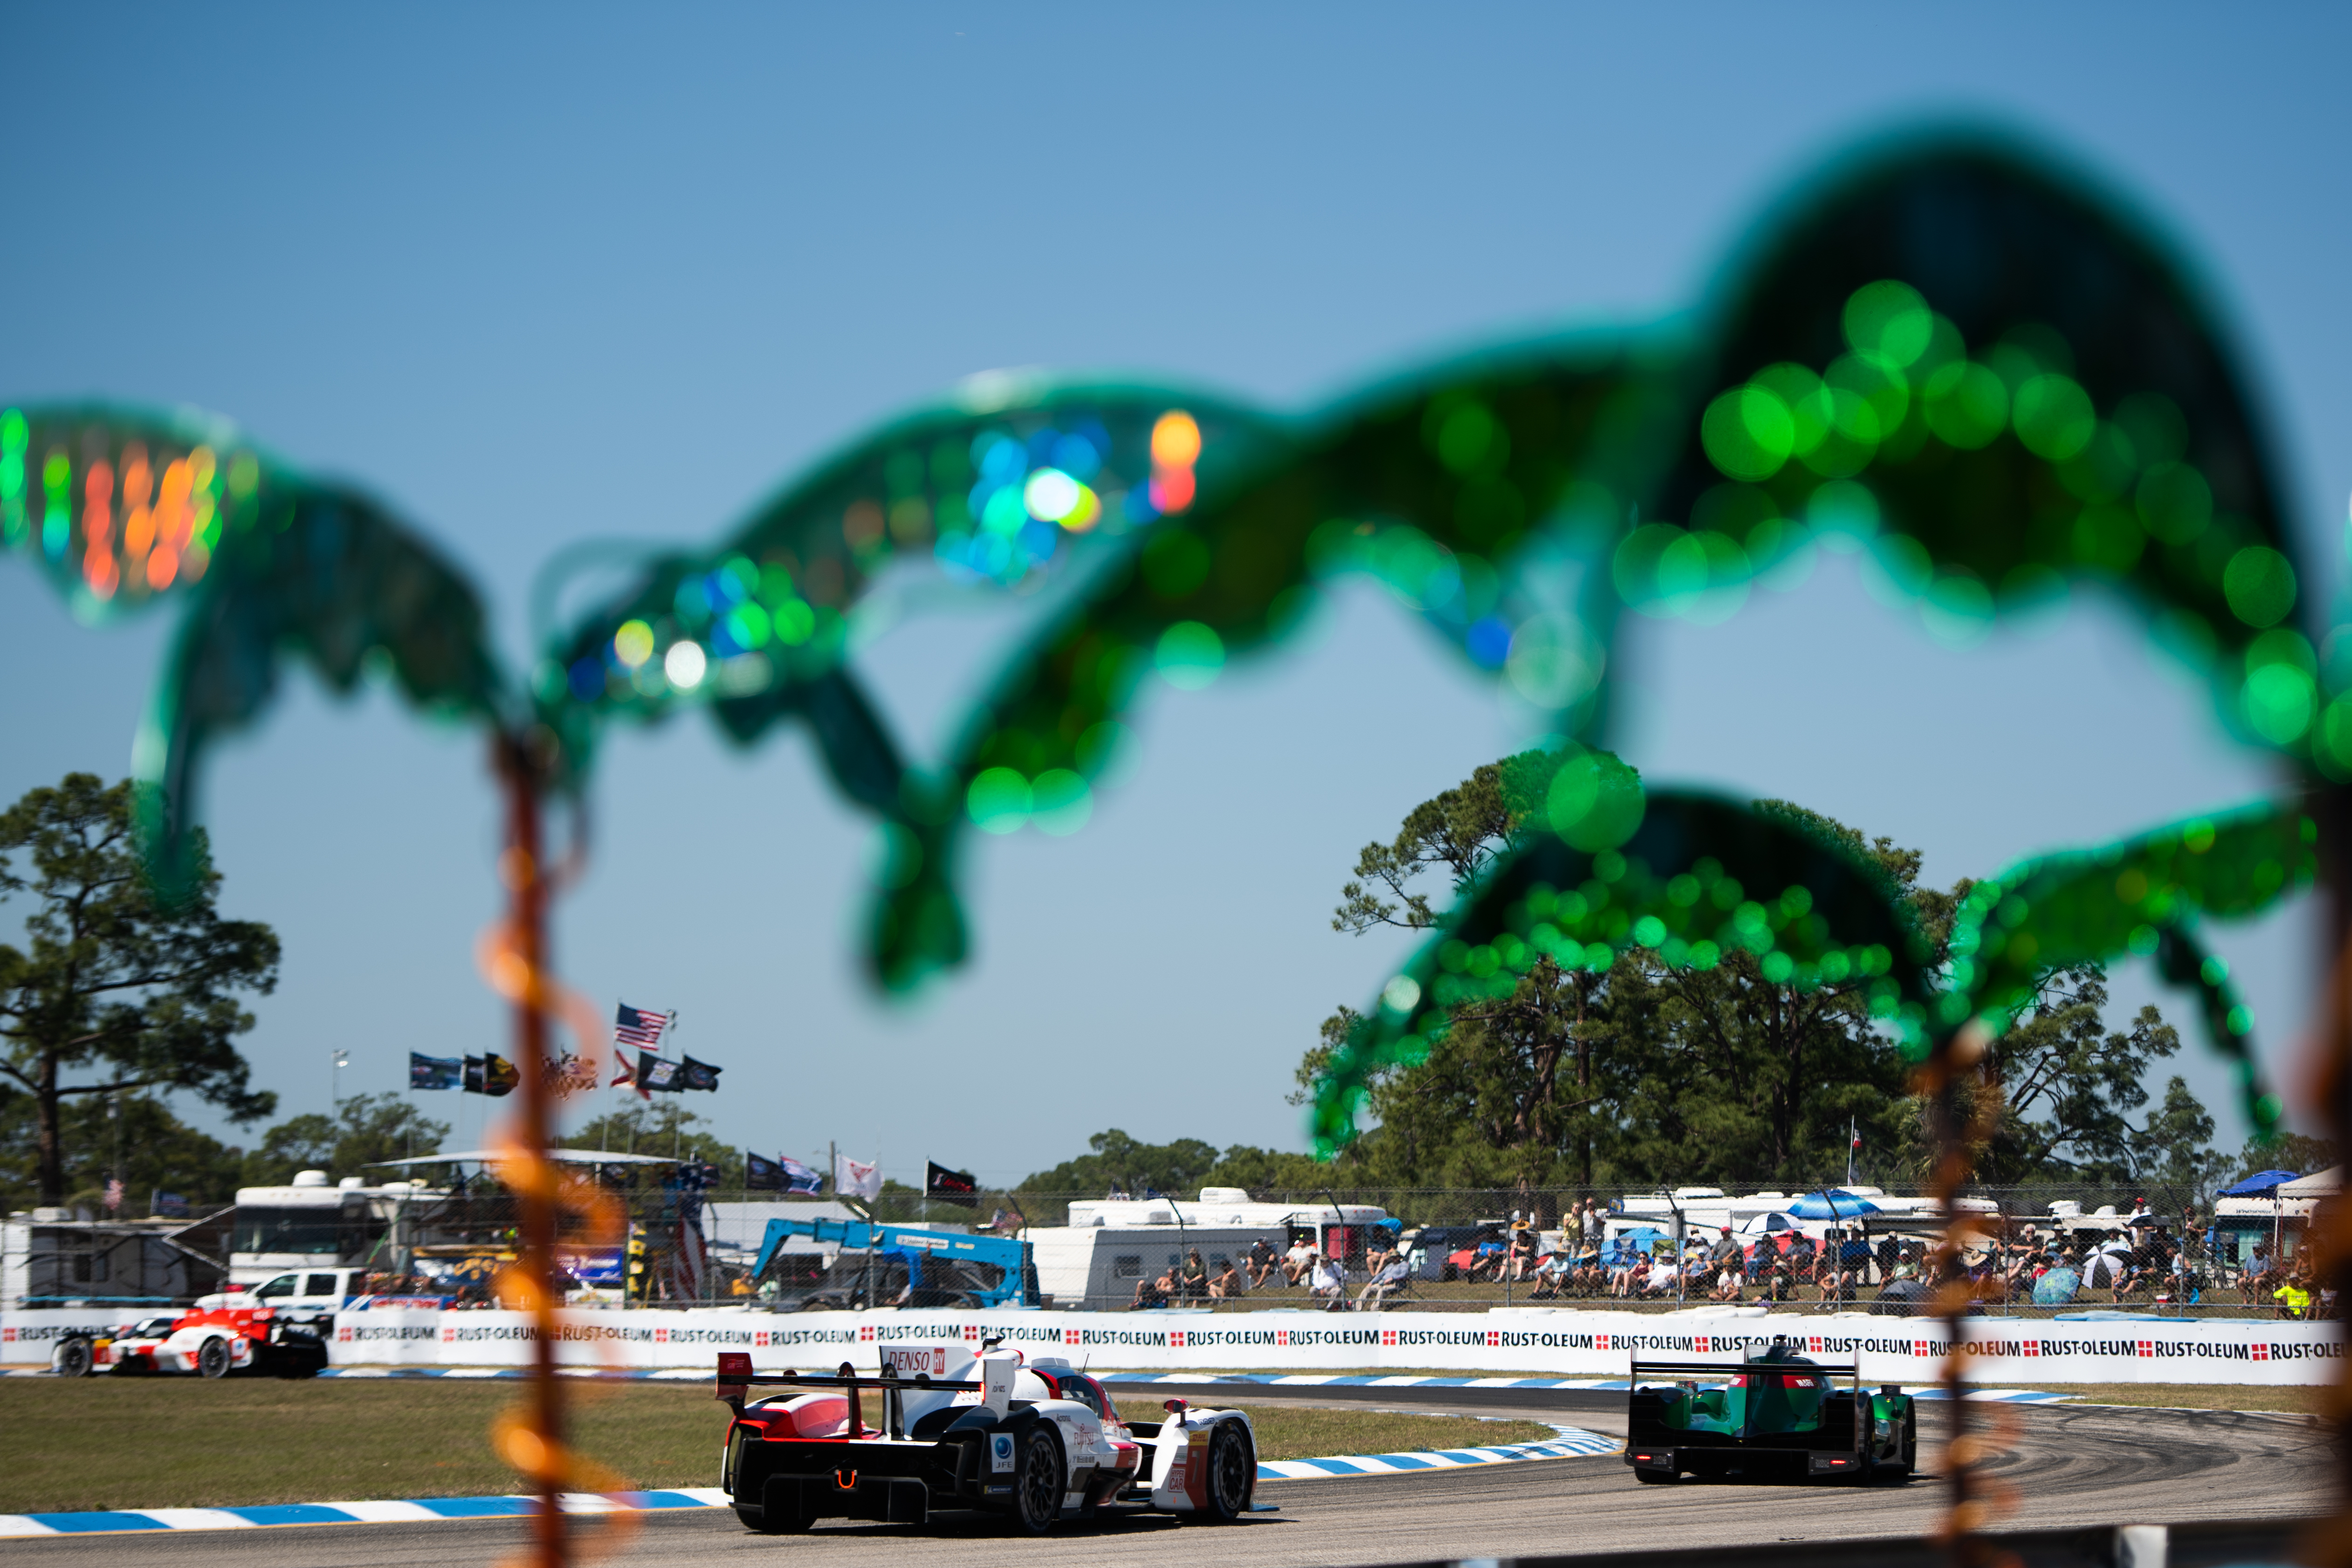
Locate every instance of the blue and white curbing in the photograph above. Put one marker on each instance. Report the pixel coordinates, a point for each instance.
(411, 1511)
(1571, 1443)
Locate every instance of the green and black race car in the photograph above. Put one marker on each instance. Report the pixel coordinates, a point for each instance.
(1776, 1415)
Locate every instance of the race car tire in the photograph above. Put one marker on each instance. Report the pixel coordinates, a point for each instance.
(213, 1358)
(774, 1521)
(1037, 1484)
(74, 1357)
(1233, 1474)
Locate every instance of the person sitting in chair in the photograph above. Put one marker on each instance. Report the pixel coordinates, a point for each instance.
(1153, 1292)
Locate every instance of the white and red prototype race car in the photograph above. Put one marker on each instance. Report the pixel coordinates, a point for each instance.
(211, 1342)
(1033, 1441)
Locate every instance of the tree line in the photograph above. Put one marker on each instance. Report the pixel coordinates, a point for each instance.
(1639, 1074)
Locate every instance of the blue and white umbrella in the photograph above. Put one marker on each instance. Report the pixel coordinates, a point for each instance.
(1834, 1204)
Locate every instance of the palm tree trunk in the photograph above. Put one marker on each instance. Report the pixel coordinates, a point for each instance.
(524, 868)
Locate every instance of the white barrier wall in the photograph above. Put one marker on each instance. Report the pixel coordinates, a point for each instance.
(2036, 1352)
(1568, 1343)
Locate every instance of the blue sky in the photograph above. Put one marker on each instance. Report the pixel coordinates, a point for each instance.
(548, 273)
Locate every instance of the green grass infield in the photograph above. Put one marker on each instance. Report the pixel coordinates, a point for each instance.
(156, 1442)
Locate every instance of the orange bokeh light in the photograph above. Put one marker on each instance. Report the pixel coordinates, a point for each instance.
(1175, 440)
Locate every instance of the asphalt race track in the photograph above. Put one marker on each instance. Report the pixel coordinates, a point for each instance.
(2072, 1466)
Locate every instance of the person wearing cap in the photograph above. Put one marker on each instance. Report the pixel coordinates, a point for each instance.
(1731, 1265)
(1555, 1273)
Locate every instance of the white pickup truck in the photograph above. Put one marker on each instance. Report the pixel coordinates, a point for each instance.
(299, 1294)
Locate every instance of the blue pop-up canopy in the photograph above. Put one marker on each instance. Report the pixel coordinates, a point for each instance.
(2260, 1185)
(1835, 1204)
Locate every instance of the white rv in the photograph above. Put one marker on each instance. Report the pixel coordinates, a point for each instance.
(314, 1224)
(1111, 1243)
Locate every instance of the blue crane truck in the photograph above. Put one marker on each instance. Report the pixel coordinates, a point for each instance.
(908, 1266)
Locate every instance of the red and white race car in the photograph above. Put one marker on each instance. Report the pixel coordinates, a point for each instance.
(1034, 1441)
(211, 1342)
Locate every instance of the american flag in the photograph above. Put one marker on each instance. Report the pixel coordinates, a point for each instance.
(633, 1027)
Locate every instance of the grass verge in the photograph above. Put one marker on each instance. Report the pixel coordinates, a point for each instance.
(2198, 1395)
(103, 1442)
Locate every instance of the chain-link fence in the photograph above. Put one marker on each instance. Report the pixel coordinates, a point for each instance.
(2051, 1248)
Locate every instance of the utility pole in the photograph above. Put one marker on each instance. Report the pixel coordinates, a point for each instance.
(335, 1079)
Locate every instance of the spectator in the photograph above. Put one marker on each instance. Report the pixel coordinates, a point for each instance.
(1298, 1261)
(1890, 1257)
(2294, 1294)
(2258, 1279)
(1731, 1276)
(1801, 1256)
(1228, 1285)
(1329, 1282)
(1261, 1263)
(1152, 1292)
(1555, 1274)
(1596, 1225)
(1390, 1275)
(1725, 1255)
(1520, 1254)
(1587, 1278)
(1192, 1279)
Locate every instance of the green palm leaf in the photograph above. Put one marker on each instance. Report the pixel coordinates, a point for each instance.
(1699, 878)
(1445, 487)
(122, 508)
(2139, 895)
(1993, 379)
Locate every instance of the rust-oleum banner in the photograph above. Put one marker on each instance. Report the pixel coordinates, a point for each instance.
(1569, 1342)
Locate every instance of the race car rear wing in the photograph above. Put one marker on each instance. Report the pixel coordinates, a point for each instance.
(1707, 1369)
(736, 1377)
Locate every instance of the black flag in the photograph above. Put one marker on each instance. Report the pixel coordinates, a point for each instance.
(692, 1074)
(952, 1187)
(500, 1076)
(655, 1074)
(474, 1075)
(761, 1175)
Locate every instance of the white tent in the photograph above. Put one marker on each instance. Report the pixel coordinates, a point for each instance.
(2324, 1185)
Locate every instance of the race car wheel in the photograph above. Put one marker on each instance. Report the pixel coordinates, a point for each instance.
(1233, 1473)
(213, 1358)
(73, 1359)
(1037, 1485)
(775, 1520)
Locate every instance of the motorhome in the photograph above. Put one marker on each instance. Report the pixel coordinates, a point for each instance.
(316, 1223)
(1112, 1243)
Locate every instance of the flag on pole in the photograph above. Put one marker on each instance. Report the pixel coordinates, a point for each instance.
(636, 1027)
(692, 1074)
(856, 1178)
(492, 1074)
(624, 1076)
(951, 1186)
(781, 1175)
(655, 1074)
(435, 1072)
